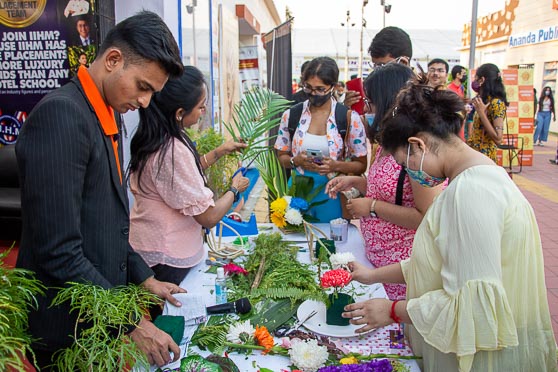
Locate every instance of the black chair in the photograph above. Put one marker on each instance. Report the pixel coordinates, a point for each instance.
(513, 144)
(10, 195)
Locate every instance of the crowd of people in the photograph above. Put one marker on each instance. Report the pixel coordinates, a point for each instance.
(448, 232)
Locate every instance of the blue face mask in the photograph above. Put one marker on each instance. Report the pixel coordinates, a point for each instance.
(420, 176)
(369, 119)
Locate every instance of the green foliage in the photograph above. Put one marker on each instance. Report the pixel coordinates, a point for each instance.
(107, 313)
(281, 272)
(254, 116)
(219, 174)
(18, 289)
(293, 294)
(272, 314)
(272, 174)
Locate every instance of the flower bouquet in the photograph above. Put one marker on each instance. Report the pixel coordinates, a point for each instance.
(337, 279)
(289, 210)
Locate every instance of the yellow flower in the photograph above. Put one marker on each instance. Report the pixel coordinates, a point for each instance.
(279, 206)
(278, 219)
(349, 360)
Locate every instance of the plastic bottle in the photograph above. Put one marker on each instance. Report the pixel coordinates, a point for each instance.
(220, 287)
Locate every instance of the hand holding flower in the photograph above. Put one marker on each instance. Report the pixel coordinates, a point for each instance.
(361, 273)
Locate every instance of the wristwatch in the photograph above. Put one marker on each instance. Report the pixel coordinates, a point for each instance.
(373, 208)
(292, 163)
(236, 193)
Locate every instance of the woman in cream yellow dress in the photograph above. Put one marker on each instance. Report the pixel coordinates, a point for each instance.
(476, 295)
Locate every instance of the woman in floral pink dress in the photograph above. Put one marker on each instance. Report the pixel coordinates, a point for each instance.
(393, 205)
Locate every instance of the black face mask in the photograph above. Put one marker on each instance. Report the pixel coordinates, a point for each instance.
(319, 101)
(463, 79)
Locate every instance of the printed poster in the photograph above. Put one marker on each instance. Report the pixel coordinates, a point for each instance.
(42, 44)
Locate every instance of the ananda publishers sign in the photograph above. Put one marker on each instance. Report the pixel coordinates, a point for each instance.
(534, 37)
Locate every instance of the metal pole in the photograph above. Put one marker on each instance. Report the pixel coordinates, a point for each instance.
(195, 54)
(472, 45)
(364, 2)
(383, 4)
(347, 52)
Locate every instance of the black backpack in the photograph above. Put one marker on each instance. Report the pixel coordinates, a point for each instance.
(340, 119)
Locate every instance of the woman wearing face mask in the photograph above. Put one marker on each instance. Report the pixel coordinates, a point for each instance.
(476, 295)
(317, 130)
(393, 205)
(172, 200)
(490, 110)
(545, 111)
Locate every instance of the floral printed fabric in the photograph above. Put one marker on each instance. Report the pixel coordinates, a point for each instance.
(356, 138)
(385, 242)
(478, 139)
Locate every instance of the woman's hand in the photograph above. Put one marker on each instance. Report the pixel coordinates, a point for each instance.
(240, 182)
(305, 162)
(361, 273)
(164, 290)
(374, 313)
(326, 166)
(479, 105)
(359, 207)
(338, 184)
(230, 147)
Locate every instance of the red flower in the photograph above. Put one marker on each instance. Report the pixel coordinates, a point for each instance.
(337, 278)
(231, 268)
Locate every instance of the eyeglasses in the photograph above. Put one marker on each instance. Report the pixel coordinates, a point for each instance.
(320, 91)
(402, 60)
(368, 103)
(433, 70)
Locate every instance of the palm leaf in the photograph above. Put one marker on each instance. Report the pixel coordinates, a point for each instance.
(272, 174)
(255, 115)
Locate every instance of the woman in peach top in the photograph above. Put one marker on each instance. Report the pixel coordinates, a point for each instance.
(172, 200)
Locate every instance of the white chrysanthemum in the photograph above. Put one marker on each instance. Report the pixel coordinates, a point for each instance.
(241, 333)
(308, 355)
(293, 216)
(341, 260)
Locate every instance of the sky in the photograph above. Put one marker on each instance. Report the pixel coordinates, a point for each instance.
(407, 14)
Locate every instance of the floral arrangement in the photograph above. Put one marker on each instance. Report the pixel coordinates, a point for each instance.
(336, 279)
(289, 210)
(308, 355)
(243, 333)
(351, 365)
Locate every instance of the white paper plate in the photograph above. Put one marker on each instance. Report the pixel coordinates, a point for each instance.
(317, 323)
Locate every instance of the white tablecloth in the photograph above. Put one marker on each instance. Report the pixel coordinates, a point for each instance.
(199, 282)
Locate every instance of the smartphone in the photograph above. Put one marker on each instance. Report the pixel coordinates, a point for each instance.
(315, 155)
(356, 85)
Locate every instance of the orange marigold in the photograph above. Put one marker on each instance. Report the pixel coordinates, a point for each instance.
(263, 338)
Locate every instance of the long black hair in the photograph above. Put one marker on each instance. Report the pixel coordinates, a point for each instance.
(493, 85)
(158, 126)
(381, 87)
(421, 108)
(550, 96)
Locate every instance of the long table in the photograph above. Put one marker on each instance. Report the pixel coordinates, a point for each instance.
(377, 342)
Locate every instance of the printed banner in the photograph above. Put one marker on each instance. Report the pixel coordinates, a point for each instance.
(520, 112)
(248, 68)
(42, 44)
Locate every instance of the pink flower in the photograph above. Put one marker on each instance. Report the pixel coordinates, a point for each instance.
(337, 278)
(233, 269)
(286, 342)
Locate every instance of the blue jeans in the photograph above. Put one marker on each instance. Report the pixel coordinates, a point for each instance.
(323, 212)
(543, 123)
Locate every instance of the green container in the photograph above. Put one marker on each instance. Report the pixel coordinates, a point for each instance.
(328, 243)
(336, 307)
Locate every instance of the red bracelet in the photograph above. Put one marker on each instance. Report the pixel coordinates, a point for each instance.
(392, 314)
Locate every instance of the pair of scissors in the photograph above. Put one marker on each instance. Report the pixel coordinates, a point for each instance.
(285, 331)
(243, 170)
